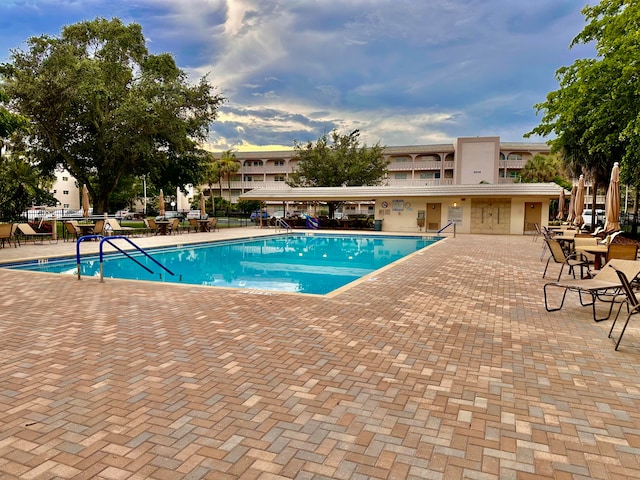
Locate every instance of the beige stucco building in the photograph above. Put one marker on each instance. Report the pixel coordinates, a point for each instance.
(474, 208)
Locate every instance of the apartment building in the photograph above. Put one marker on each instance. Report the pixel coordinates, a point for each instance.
(466, 161)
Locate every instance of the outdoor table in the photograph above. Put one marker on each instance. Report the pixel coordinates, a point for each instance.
(86, 228)
(598, 251)
(204, 224)
(162, 226)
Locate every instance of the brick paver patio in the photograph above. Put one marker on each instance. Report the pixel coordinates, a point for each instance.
(444, 366)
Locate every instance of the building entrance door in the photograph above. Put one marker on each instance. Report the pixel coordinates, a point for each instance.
(532, 215)
(434, 215)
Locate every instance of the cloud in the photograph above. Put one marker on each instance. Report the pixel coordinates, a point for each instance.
(402, 71)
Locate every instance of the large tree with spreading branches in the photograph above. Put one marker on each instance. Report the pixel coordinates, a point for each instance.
(103, 107)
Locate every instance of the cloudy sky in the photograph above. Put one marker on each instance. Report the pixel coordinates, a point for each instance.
(404, 72)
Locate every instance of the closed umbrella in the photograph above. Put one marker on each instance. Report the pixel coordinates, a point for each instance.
(612, 203)
(572, 203)
(579, 203)
(560, 215)
(203, 210)
(161, 203)
(85, 201)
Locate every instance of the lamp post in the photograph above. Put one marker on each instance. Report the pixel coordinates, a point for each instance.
(144, 189)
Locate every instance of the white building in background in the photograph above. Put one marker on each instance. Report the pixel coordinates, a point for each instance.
(467, 161)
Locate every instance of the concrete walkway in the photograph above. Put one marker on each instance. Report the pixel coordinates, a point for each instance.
(444, 366)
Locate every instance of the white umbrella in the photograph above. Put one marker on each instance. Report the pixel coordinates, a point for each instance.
(612, 203)
(579, 203)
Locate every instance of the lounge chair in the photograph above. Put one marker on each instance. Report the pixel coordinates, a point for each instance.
(558, 255)
(631, 301)
(604, 286)
(28, 233)
(213, 224)
(115, 227)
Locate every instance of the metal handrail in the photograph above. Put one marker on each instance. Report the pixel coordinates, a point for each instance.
(447, 226)
(283, 224)
(109, 240)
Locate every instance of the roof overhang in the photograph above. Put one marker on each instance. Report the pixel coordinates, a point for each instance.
(546, 190)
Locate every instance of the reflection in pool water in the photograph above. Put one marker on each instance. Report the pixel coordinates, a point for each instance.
(303, 263)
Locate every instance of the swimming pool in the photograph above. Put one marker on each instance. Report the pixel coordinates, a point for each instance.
(303, 263)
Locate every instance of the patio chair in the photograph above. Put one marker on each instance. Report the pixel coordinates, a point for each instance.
(605, 286)
(213, 224)
(622, 251)
(6, 234)
(193, 223)
(151, 225)
(558, 255)
(174, 226)
(28, 233)
(99, 227)
(631, 301)
(72, 229)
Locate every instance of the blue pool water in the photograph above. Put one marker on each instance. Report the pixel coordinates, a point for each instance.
(307, 263)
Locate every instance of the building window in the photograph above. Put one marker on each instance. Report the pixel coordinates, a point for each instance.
(65, 205)
(65, 179)
(401, 159)
(426, 175)
(248, 178)
(400, 176)
(279, 163)
(65, 192)
(515, 156)
(279, 178)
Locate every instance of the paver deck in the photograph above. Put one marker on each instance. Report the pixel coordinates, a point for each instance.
(444, 366)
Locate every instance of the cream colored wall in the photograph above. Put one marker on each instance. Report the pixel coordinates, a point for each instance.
(405, 220)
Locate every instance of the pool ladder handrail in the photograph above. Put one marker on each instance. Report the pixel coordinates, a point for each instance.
(109, 241)
(447, 226)
(280, 222)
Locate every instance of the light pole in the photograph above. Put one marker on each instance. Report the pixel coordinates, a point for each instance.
(144, 189)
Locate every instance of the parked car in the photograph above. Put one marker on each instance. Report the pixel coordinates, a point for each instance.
(171, 214)
(588, 218)
(195, 214)
(255, 216)
(126, 215)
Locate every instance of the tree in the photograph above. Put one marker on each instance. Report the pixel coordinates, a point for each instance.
(544, 168)
(595, 114)
(227, 166)
(102, 107)
(336, 160)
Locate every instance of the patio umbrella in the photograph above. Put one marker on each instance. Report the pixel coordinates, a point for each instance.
(572, 203)
(560, 215)
(161, 203)
(85, 201)
(612, 203)
(203, 210)
(579, 203)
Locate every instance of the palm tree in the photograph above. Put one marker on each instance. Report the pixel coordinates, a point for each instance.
(228, 165)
